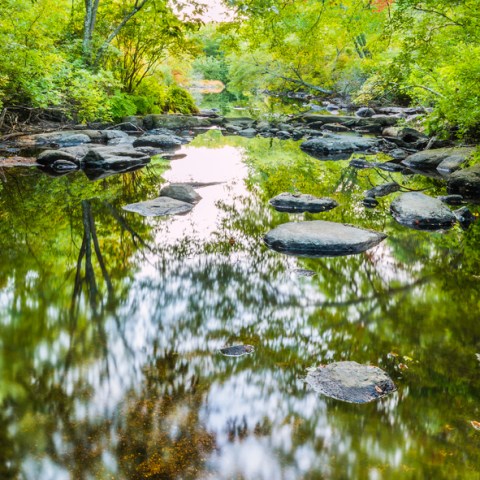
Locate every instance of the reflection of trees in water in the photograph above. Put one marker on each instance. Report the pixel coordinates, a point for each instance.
(160, 435)
(199, 296)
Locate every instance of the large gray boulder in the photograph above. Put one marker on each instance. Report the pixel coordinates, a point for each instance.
(432, 159)
(321, 239)
(465, 182)
(339, 144)
(297, 203)
(421, 212)
(181, 191)
(159, 141)
(115, 157)
(159, 207)
(351, 382)
(174, 121)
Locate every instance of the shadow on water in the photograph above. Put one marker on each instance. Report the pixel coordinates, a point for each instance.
(110, 327)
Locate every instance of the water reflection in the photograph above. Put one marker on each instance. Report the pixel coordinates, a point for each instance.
(110, 325)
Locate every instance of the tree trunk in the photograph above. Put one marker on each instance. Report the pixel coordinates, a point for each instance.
(91, 9)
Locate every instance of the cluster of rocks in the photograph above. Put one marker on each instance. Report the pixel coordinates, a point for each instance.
(325, 135)
(412, 209)
(99, 153)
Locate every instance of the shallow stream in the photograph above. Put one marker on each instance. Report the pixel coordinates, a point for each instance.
(110, 326)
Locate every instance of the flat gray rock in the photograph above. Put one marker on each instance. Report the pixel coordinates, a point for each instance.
(339, 144)
(297, 203)
(159, 141)
(158, 207)
(182, 192)
(421, 212)
(237, 350)
(465, 182)
(431, 159)
(351, 382)
(321, 239)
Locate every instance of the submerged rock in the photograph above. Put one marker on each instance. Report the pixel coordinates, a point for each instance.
(419, 211)
(339, 144)
(465, 182)
(297, 203)
(182, 192)
(321, 239)
(160, 206)
(351, 382)
(237, 350)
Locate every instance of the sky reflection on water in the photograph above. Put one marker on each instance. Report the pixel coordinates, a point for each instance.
(132, 386)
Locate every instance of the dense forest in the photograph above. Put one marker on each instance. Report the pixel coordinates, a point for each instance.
(105, 59)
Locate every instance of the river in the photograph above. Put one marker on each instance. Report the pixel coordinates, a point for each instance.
(110, 325)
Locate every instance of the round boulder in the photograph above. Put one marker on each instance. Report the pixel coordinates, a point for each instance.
(321, 239)
(421, 212)
(297, 203)
(351, 382)
(465, 182)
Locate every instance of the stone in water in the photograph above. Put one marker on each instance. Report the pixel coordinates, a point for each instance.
(160, 206)
(351, 382)
(237, 350)
(321, 239)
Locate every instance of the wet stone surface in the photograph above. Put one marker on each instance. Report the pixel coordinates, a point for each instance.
(351, 382)
(321, 239)
(160, 206)
(297, 203)
(340, 144)
(182, 192)
(419, 211)
(237, 350)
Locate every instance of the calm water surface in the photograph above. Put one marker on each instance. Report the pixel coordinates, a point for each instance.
(110, 325)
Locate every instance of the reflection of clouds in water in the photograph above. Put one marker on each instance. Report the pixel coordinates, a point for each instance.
(183, 303)
(254, 423)
(223, 166)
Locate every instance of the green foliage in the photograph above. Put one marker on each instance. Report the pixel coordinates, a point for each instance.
(179, 101)
(211, 68)
(123, 105)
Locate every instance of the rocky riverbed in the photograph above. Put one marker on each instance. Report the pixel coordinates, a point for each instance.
(130, 146)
